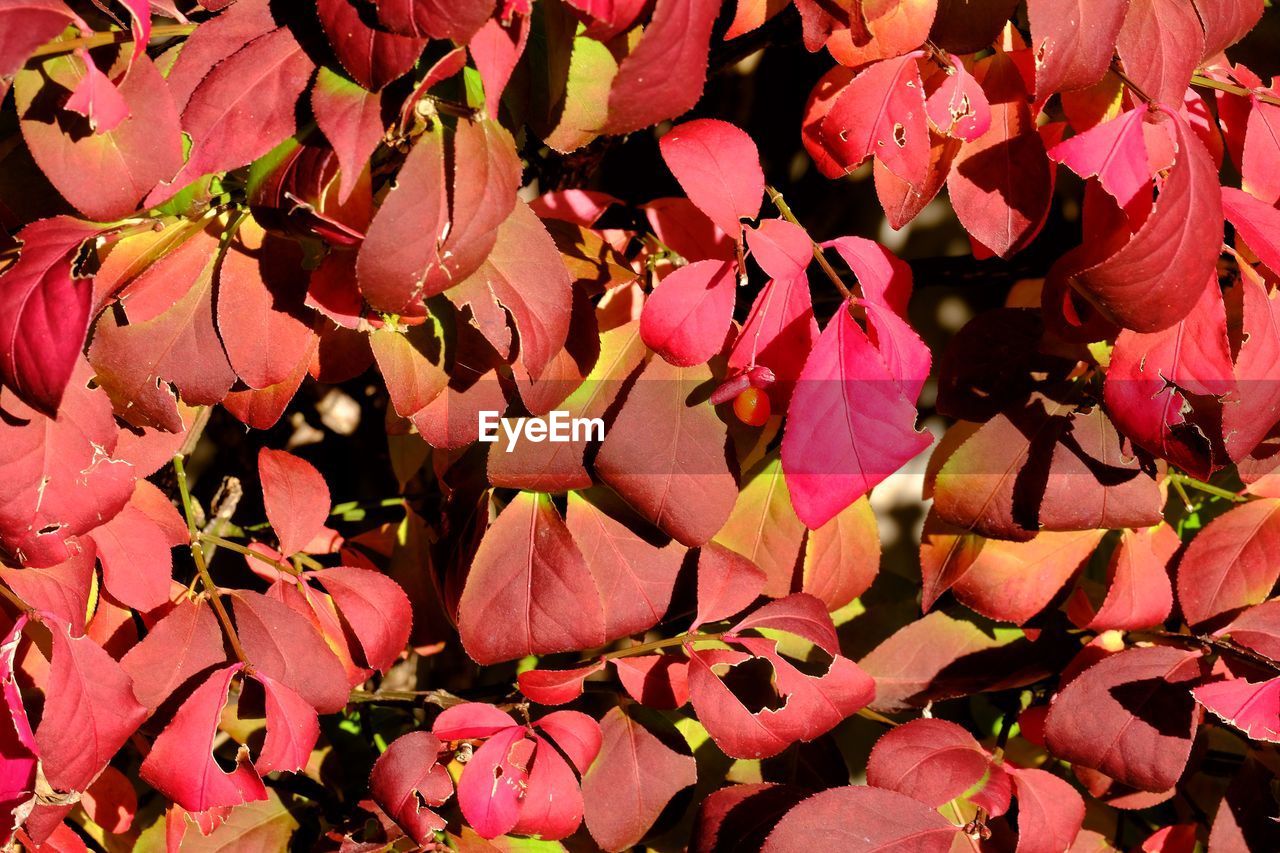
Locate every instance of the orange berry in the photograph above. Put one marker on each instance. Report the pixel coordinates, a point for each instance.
(752, 407)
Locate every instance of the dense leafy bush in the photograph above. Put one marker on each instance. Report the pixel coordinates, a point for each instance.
(266, 266)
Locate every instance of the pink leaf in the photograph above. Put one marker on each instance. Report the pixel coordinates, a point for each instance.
(97, 99)
(551, 806)
(1114, 152)
(471, 720)
(27, 26)
(881, 113)
(17, 744)
(718, 167)
(373, 57)
(63, 590)
(496, 48)
(576, 734)
(1256, 222)
(958, 107)
(1253, 708)
(180, 764)
(89, 712)
(407, 777)
(1160, 44)
(656, 681)
(848, 427)
(494, 781)
(137, 558)
(351, 119)
(1140, 593)
(687, 316)
(800, 614)
(292, 729)
(296, 498)
(1155, 279)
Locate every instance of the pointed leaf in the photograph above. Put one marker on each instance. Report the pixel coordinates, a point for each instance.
(864, 818)
(408, 777)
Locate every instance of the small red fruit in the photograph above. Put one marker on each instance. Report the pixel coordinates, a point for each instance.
(752, 407)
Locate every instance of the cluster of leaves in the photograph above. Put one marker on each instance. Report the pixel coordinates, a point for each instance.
(208, 210)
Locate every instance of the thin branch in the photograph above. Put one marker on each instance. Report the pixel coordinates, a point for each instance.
(1231, 88)
(197, 554)
(249, 552)
(56, 48)
(660, 644)
(1132, 86)
(1178, 478)
(781, 204)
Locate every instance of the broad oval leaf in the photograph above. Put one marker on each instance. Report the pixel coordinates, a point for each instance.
(861, 818)
(1229, 564)
(688, 315)
(718, 167)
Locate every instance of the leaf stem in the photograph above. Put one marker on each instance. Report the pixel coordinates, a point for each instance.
(1231, 88)
(1178, 478)
(664, 643)
(783, 208)
(197, 554)
(248, 552)
(55, 48)
(14, 599)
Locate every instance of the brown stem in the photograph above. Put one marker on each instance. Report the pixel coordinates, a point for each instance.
(55, 48)
(14, 599)
(249, 552)
(197, 554)
(1133, 87)
(659, 644)
(783, 208)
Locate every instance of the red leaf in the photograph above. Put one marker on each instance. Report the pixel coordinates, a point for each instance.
(496, 48)
(1073, 42)
(1013, 581)
(371, 56)
(849, 427)
(111, 801)
(407, 777)
(1256, 222)
(632, 780)
(1155, 279)
(529, 590)
(881, 113)
(551, 805)
(664, 75)
(1114, 152)
(471, 720)
(1160, 44)
(351, 119)
(577, 735)
(932, 761)
(1158, 384)
(1129, 716)
(44, 311)
(739, 817)
(89, 712)
(811, 706)
(779, 332)
(136, 556)
(262, 321)
(1253, 407)
(1002, 182)
(524, 277)
(215, 40)
(901, 201)
(764, 530)
(1258, 628)
(296, 498)
(857, 817)
(1140, 594)
(170, 338)
(727, 583)
(635, 576)
(1253, 708)
(456, 20)
(676, 477)
(285, 646)
(375, 607)
(657, 681)
(17, 744)
(687, 316)
(27, 26)
(1226, 22)
(824, 95)
(1228, 566)
(799, 614)
(292, 729)
(555, 686)
(186, 642)
(842, 557)
(104, 175)
(63, 590)
(718, 167)
(245, 106)
(60, 478)
(687, 231)
(1050, 811)
(180, 764)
